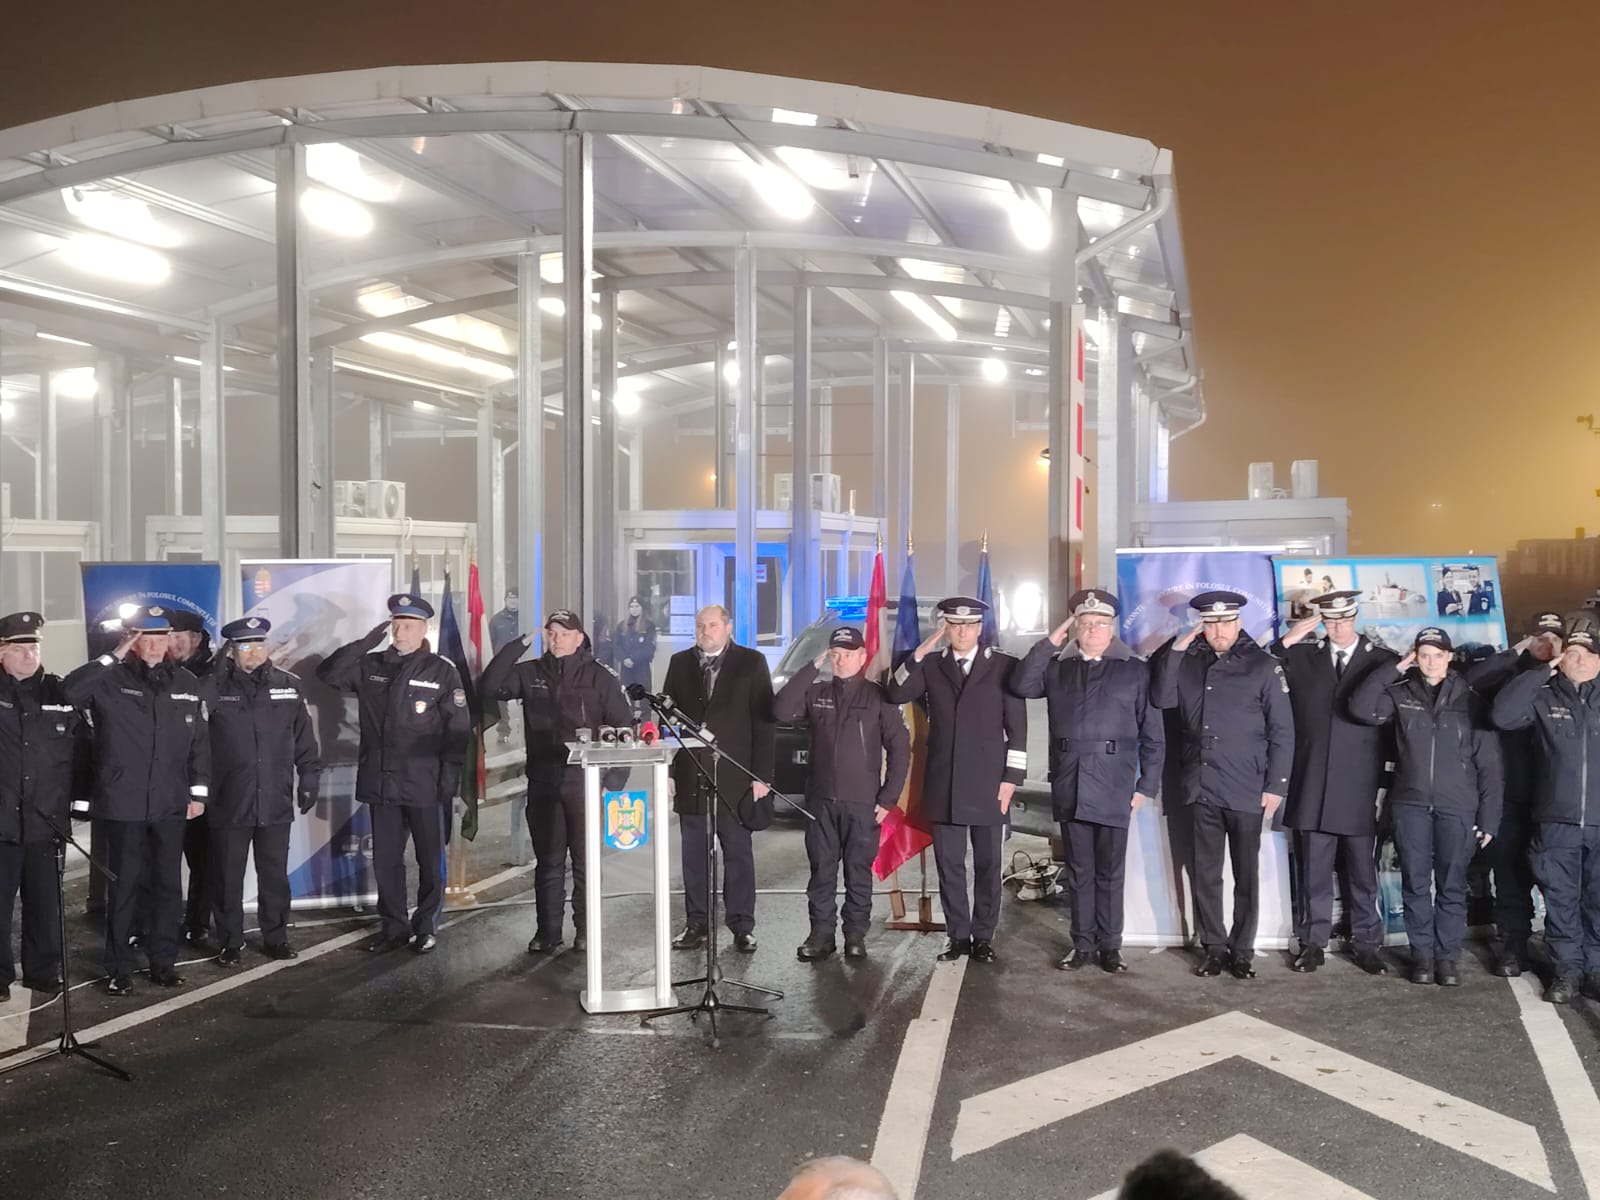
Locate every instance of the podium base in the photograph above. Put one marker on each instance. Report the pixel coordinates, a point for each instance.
(923, 922)
(620, 1000)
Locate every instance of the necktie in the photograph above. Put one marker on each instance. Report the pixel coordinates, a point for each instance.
(708, 675)
(966, 667)
(1338, 664)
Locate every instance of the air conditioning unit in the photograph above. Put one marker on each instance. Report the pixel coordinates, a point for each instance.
(824, 491)
(349, 497)
(1261, 481)
(386, 498)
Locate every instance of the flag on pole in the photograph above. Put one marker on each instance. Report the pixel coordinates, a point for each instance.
(991, 627)
(877, 630)
(907, 626)
(490, 711)
(452, 648)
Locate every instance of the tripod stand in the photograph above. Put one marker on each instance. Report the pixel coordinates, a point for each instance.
(710, 1003)
(68, 1042)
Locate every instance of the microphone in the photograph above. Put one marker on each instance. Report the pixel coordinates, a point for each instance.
(636, 691)
(649, 735)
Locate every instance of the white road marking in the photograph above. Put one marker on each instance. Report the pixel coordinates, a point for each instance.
(14, 1019)
(908, 1110)
(1256, 1170)
(995, 1116)
(142, 1016)
(1570, 1085)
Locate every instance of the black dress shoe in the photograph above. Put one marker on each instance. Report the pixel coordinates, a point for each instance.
(1112, 963)
(1308, 960)
(816, 948)
(1211, 965)
(230, 956)
(1422, 971)
(1507, 966)
(166, 977)
(744, 943)
(1240, 968)
(1560, 990)
(1076, 961)
(47, 986)
(544, 943)
(955, 948)
(5, 992)
(982, 950)
(580, 941)
(1370, 959)
(423, 943)
(855, 946)
(382, 944)
(119, 985)
(280, 950)
(692, 938)
(1591, 986)
(1446, 974)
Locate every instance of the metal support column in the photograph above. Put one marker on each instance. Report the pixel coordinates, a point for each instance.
(824, 432)
(804, 552)
(175, 448)
(295, 422)
(880, 429)
(577, 254)
(48, 467)
(952, 490)
(719, 434)
(904, 438)
(213, 449)
(1114, 446)
(744, 450)
(316, 467)
(604, 542)
(377, 439)
(114, 443)
(1063, 389)
(530, 449)
(489, 474)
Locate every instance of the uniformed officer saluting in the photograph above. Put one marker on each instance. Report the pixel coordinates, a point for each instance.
(1238, 743)
(41, 749)
(1333, 787)
(853, 726)
(1107, 745)
(562, 691)
(152, 756)
(414, 731)
(1446, 793)
(1561, 704)
(977, 755)
(189, 645)
(261, 738)
(1508, 857)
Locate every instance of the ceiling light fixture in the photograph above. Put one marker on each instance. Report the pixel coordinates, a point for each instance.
(936, 272)
(782, 192)
(6, 410)
(995, 370)
(1030, 222)
(788, 116)
(56, 337)
(195, 362)
(927, 314)
(114, 259)
(120, 215)
(626, 400)
(342, 168)
(335, 213)
(442, 356)
(77, 383)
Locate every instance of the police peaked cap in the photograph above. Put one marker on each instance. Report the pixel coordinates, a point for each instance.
(1218, 606)
(404, 604)
(247, 629)
(961, 610)
(1337, 604)
(154, 619)
(1093, 602)
(183, 620)
(20, 628)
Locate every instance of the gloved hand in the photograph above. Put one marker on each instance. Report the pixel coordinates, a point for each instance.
(378, 633)
(307, 801)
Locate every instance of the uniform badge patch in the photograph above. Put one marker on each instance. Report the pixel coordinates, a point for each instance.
(1283, 680)
(421, 706)
(460, 697)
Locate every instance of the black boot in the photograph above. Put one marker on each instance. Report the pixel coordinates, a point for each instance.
(818, 946)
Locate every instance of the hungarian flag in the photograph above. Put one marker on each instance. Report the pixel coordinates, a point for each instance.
(453, 648)
(902, 837)
(877, 631)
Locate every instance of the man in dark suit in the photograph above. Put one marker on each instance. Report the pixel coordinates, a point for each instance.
(977, 755)
(1332, 804)
(728, 689)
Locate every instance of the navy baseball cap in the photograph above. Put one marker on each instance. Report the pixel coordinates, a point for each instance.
(565, 618)
(846, 637)
(1432, 636)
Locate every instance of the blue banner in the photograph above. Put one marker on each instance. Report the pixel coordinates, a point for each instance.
(1155, 587)
(112, 591)
(1400, 596)
(316, 606)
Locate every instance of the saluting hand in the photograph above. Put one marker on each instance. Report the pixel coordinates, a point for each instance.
(126, 644)
(1301, 629)
(1406, 663)
(1058, 635)
(1187, 637)
(930, 643)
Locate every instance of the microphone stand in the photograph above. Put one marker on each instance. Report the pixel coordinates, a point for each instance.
(709, 1003)
(68, 1042)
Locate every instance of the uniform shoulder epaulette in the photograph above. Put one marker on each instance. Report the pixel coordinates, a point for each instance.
(609, 668)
